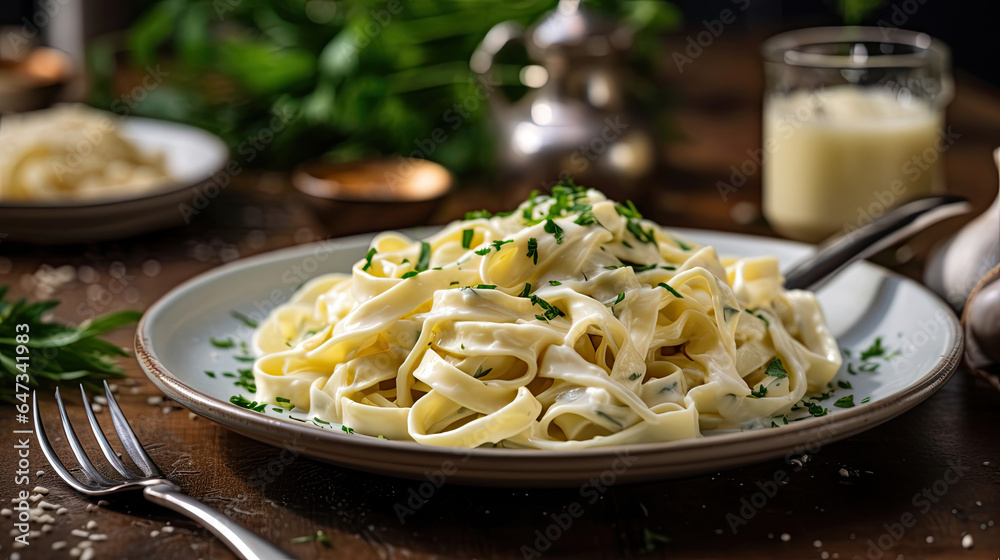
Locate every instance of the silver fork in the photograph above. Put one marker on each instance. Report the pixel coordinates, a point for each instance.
(154, 485)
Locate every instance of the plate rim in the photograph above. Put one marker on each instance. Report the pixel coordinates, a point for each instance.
(848, 422)
(169, 188)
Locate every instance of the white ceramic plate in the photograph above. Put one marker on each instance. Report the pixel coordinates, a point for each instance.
(864, 302)
(192, 156)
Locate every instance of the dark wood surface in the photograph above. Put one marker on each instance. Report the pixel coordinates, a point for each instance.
(876, 512)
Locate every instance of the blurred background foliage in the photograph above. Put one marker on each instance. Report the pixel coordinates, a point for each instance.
(355, 78)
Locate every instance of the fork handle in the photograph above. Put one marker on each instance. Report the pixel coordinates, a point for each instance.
(242, 541)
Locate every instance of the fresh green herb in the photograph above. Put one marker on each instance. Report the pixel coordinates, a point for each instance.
(484, 250)
(476, 214)
(626, 244)
(244, 319)
(866, 399)
(609, 418)
(668, 267)
(526, 290)
(876, 349)
(845, 402)
(754, 311)
(409, 274)
(634, 376)
(643, 235)
(554, 283)
(226, 343)
(480, 373)
(467, 238)
(368, 258)
(59, 353)
(776, 369)
(628, 210)
(533, 250)
(850, 369)
(282, 399)
(425, 257)
(670, 289)
(210, 374)
(619, 299)
(347, 430)
(243, 347)
(681, 244)
(245, 358)
(318, 537)
(453, 283)
(729, 312)
(760, 393)
(844, 384)
(228, 374)
(870, 367)
(817, 410)
(551, 311)
(321, 421)
(554, 229)
(246, 380)
(501, 242)
(847, 352)
(485, 286)
(587, 217)
(669, 387)
(278, 410)
(241, 401)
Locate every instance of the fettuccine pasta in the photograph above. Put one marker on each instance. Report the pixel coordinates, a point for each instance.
(569, 323)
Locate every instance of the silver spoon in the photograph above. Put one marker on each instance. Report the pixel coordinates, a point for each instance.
(897, 225)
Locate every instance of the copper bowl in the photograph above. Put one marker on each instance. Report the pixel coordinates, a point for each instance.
(35, 81)
(373, 195)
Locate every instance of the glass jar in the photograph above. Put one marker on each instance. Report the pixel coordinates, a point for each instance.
(853, 125)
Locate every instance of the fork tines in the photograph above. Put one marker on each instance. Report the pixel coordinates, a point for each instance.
(96, 482)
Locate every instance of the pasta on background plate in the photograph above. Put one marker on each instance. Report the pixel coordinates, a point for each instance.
(569, 323)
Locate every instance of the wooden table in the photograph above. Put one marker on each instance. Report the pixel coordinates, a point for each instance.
(875, 512)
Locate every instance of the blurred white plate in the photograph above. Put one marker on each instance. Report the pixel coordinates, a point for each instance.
(192, 156)
(864, 302)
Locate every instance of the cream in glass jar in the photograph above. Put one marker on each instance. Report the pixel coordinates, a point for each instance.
(852, 126)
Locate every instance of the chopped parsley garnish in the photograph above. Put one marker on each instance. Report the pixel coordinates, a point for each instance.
(634, 376)
(844, 384)
(475, 214)
(501, 242)
(628, 210)
(845, 402)
(850, 369)
(876, 349)
(467, 238)
(245, 358)
(241, 401)
(484, 250)
(754, 311)
(554, 283)
(244, 319)
(225, 343)
(554, 229)
(643, 235)
(669, 289)
(759, 393)
(425, 257)
(681, 244)
(281, 399)
(551, 311)
(817, 410)
(533, 250)
(868, 367)
(246, 380)
(866, 399)
(278, 410)
(368, 258)
(485, 286)
(345, 429)
(210, 373)
(318, 537)
(526, 290)
(409, 274)
(626, 243)
(776, 369)
(480, 373)
(586, 217)
(619, 299)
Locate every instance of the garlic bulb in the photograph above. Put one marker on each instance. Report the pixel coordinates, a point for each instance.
(957, 265)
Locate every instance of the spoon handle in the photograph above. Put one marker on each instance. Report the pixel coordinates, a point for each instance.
(897, 225)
